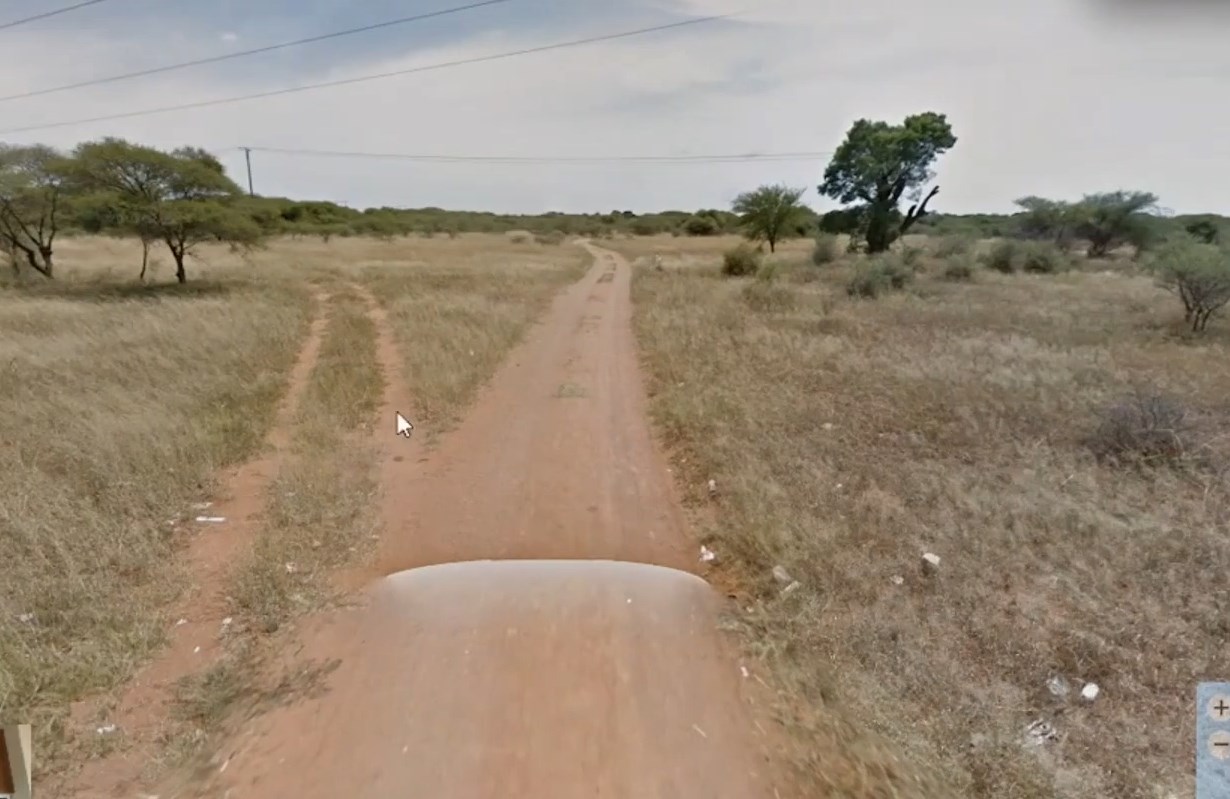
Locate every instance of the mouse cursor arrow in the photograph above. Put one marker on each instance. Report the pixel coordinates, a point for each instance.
(403, 426)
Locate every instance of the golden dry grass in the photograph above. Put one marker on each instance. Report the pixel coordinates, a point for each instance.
(849, 437)
(121, 402)
(115, 413)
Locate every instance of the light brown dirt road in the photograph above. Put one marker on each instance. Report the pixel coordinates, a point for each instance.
(502, 651)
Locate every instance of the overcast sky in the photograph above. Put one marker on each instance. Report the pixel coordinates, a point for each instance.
(1047, 97)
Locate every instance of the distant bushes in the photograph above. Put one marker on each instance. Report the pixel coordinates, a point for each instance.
(741, 261)
(702, 226)
(554, 237)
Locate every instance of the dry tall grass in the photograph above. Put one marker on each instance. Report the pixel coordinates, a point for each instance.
(115, 413)
(848, 437)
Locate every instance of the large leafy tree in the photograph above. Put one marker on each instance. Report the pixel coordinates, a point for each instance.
(769, 213)
(879, 164)
(32, 198)
(182, 198)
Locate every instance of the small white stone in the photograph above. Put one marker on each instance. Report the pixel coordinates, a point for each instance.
(1090, 691)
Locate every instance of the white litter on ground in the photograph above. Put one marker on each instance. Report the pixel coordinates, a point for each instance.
(211, 519)
(1090, 691)
(106, 729)
(707, 555)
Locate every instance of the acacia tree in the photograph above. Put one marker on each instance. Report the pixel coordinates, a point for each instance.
(109, 214)
(1041, 218)
(769, 213)
(878, 164)
(1198, 274)
(32, 190)
(1110, 219)
(182, 198)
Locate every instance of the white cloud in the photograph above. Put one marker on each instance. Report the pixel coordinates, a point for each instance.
(1046, 98)
(229, 36)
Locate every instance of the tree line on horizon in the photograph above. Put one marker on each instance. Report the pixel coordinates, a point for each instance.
(183, 198)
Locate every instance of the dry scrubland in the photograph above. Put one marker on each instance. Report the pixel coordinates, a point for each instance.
(120, 404)
(847, 437)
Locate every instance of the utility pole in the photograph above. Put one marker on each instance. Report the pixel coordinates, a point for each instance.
(247, 154)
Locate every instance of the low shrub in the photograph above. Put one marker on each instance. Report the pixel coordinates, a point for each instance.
(1010, 256)
(767, 296)
(1146, 429)
(960, 268)
(952, 246)
(741, 261)
(1002, 257)
(878, 275)
(826, 250)
(912, 257)
(1042, 258)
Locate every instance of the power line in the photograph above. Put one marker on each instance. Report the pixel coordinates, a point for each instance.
(255, 51)
(380, 76)
(550, 159)
(47, 14)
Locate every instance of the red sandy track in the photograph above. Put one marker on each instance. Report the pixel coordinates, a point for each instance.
(529, 633)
